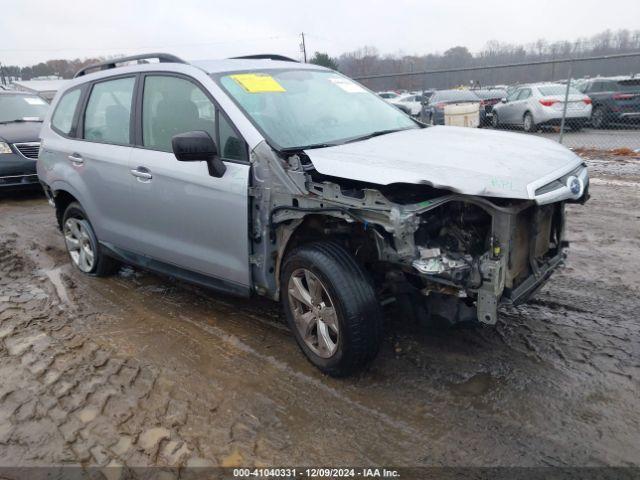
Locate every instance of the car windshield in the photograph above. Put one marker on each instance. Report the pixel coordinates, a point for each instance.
(455, 96)
(557, 90)
(310, 108)
(22, 108)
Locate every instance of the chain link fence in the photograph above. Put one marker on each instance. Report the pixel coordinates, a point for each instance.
(584, 103)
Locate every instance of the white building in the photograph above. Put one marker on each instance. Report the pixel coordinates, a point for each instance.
(45, 88)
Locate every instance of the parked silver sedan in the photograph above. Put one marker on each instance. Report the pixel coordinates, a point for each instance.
(409, 103)
(534, 106)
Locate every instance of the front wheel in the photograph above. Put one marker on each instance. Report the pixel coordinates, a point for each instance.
(331, 308)
(82, 244)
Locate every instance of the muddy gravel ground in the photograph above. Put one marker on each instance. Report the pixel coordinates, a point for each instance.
(140, 370)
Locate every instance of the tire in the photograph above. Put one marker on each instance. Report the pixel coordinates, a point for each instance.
(599, 118)
(528, 123)
(80, 239)
(344, 308)
(495, 122)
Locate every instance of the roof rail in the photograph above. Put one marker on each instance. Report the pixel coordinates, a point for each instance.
(266, 56)
(162, 58)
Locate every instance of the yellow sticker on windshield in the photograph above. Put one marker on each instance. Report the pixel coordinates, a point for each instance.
(258, 83)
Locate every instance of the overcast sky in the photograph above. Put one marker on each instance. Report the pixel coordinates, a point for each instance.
(32, 31)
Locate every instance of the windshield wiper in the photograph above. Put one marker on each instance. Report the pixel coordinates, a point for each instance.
(21, 120)
(375, 134)
(308, 147)
(342, 142)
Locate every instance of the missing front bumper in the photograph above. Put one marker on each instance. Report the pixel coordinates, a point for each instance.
(532, 284)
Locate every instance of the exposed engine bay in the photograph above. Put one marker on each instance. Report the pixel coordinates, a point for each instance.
(462, 254)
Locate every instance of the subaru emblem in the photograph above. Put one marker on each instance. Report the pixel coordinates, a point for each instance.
(575, 186)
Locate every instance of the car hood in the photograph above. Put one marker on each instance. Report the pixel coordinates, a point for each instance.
(20, 132)
(464, 160)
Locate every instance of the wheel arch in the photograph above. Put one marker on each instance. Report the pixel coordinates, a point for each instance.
(354, 236)
(63, 193)
(62, 199)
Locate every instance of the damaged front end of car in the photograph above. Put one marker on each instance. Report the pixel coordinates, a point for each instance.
(458, 254)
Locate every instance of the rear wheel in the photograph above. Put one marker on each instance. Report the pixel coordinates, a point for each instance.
(528, 123)
(82, 244)
(331, 308)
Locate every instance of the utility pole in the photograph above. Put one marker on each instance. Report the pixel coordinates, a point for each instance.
(303, 48)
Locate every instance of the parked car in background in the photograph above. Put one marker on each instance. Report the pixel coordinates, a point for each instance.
(408, 103)
(426, 95)
(433, 111)
(615, 100)
(488, 98)
(21, 116)
(537, 105)
(388, 95)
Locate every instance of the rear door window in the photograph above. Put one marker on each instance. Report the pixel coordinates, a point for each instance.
(62, 121)
(108, 115)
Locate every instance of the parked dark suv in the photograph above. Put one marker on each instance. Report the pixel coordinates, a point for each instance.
(21, 116)
(614, 100)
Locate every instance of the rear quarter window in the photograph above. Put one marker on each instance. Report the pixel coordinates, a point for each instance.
(62, 120)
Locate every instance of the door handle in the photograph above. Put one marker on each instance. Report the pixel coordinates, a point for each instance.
(76, 158)
(142, 173)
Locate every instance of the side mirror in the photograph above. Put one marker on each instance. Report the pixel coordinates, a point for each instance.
(198, 146)
(503, 100)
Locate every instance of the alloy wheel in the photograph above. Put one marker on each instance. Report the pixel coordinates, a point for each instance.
(314, 312)
(76, 236)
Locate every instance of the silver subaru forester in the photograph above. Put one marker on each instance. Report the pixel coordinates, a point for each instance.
(261, 175)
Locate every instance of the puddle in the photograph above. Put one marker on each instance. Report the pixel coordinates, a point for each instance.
(54, 275)
(150, 439)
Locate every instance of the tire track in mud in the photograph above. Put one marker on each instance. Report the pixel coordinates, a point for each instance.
(271, 420)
